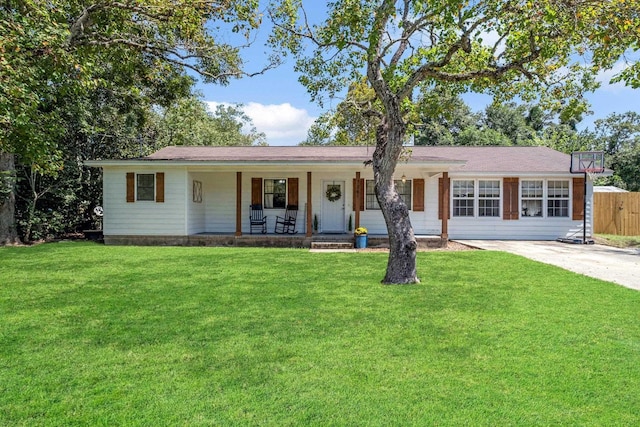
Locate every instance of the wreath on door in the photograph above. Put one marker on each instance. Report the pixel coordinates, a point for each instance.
(333, 193)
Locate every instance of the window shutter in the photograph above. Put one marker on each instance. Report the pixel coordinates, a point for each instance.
(292, 191)
(441, 185)
(256, 191)
(358, 198)
(160, 187)
(510, 202)
(131, 187)
(418, 195)
(578, 198)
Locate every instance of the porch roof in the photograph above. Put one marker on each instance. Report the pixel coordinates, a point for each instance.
(503, 160)
(293, 154)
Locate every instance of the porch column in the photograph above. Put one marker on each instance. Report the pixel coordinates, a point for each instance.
(445, 206)
(356, 204)
(238, 203)
(309, 207)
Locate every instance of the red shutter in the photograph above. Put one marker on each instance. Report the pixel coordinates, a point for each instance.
(256, 191)
(418, 195)
(358, 195)
(131, 187)
(160, 187)
(578, 198)
(292, 191)
(510, 199)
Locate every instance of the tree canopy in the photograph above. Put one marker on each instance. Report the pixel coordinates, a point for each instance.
(618, 136)
(82, 79)
(52, 53)
(189, 122)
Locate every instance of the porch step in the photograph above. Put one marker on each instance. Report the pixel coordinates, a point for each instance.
(331, 245)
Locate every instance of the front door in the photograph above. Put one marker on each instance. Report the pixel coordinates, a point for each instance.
(332, 220)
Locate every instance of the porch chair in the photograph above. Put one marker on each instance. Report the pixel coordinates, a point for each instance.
(257, 219)
(287, 223)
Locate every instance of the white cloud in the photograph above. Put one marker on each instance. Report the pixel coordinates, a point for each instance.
(605, 76)
(283, 124)
(491, 38)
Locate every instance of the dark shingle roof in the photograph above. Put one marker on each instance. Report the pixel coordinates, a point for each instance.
(507, 159)
(475, 159)
(333, 154)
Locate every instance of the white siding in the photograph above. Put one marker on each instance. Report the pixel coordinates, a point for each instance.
(424, 223)
(427, 222)
(220, 202)
(196, 212)
(524, 228)
(180, 215)
(143, 217)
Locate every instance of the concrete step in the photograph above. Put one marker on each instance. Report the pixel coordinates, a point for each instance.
(331, 245)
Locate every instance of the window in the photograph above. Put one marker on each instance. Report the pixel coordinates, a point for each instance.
(489, 198)
(197, 191)
(145, 186)
(558, 198)
(370, 195)
(403, 189)
(532, 196)
(275, 193)
(463, 196)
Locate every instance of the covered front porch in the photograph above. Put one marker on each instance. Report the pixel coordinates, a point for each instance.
(227, 197)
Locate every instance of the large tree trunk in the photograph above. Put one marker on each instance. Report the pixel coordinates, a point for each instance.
(401, 266)
(8, 232)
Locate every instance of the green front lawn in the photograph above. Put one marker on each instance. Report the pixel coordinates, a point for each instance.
(618, 241)
(95, 335)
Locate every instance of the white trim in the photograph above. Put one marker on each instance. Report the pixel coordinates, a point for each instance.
(514, 174)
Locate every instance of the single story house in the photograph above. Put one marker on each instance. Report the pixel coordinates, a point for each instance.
(181, 195)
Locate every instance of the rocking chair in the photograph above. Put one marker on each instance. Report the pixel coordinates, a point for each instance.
(287, 223)
(257, 219)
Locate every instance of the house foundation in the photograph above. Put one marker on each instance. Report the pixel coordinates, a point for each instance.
(263, 240)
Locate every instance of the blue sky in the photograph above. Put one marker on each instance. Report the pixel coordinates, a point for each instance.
(281, 107)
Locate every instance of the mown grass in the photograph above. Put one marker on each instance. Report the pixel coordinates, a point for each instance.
(95, 335)
(618, 241)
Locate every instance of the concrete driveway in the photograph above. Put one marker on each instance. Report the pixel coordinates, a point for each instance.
(621, 266)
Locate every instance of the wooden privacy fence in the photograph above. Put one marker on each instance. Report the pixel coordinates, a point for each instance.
(616, 213)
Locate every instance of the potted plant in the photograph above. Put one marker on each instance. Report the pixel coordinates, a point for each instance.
(361, 237)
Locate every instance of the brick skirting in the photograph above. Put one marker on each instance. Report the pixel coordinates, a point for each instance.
(267, 241)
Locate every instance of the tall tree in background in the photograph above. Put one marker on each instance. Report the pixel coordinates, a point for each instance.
(501, 47)
(510, 120)
(566, 139)
(443, 116)
(49, 206)
(618, 136)
(189, 122)
(352, 122)
(56, 54)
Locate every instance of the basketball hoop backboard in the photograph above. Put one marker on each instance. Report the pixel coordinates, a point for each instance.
(587, 162)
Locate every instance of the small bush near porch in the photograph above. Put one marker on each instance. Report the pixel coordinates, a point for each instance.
(95, 335)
